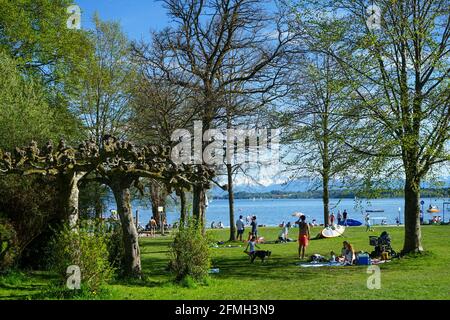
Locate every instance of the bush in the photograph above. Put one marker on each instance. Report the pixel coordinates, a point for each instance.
(115, 245)
(30, 205)
(87, 249)
(189, 253)
(8, 245)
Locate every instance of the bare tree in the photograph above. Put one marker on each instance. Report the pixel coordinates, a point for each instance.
(208, 37)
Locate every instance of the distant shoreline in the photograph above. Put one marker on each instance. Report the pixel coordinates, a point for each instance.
(304, 195)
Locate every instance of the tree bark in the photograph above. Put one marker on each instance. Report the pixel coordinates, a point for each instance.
(198, 206)
(326, 198)
(130, 235)
(158, 196)
(183, 209)
(70, 197)
(231, 202)
(413, 234)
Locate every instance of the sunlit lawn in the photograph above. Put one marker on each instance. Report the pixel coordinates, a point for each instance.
(426, 277)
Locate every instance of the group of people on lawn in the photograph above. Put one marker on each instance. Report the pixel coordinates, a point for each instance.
(347, 256)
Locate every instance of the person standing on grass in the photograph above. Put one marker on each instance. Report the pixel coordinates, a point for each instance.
(344, 216)
(240, 227)
(339, 217)
(332, 219)
(303, 236)
(153, 225)
(254, 225)
(368, 226)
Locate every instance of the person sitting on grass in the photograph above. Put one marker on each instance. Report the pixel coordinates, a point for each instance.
(281, 237)
(251, 245)
(348, 254)
(332, 257)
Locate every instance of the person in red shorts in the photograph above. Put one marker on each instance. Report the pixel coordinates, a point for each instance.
(303, 236)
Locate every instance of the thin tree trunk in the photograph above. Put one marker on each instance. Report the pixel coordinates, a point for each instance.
(183, 208)
(130, 235)
(326, 198)
(198, 206)
(413, 234)
(231, 202)
(325, 167)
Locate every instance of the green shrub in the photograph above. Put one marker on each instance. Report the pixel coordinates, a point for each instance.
(189, 253)
(116, 249)
(8, 245)
(86, 248)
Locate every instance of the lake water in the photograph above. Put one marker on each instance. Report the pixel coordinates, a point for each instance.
(272, 212)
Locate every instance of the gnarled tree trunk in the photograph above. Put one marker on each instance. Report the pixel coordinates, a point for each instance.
(130, 234)
(158, 195)
(70, 197)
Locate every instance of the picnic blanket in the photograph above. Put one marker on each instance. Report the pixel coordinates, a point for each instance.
(321, 264)
(334, 264)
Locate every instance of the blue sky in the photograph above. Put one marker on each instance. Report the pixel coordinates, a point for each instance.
(137, 17)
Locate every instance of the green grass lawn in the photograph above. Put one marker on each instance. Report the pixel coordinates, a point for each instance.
(424, 277)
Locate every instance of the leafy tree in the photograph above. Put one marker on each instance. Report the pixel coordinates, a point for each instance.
(25, 114)
(35, 33)
(316, 122)
(400, 73)
(107, 78)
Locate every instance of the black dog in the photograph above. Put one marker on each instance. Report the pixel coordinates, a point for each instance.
(260, 254)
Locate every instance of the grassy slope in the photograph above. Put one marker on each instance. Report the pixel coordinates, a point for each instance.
(409, 278)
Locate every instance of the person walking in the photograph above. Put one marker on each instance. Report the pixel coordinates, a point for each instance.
(303, 236)
(240, 227)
